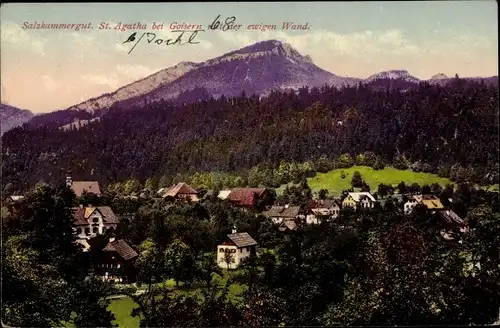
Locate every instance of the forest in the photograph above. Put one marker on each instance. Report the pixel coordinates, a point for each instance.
(369, 267)
(438, 127)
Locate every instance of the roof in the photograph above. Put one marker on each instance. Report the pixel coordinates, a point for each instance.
(245, 196)
(79, 187)
(431, 201)
(450, 217)
(357, 196)
(180, 188)
(291, 225)
(224, 193)
(121, 247)
(319, 211)
(242, 239)
(283, 211)
(81, 214)
(326, 203)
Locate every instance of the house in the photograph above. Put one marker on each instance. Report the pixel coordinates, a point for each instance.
(115, 262)
(237, 247)
(223, 194)
(287, 226)
(81, 187)
(91, 221)
(450, 221)
(247, 197)
(15, 198)
(182, 191)
(279, 214)
(432, 202)
(359, 199)
(319, 209)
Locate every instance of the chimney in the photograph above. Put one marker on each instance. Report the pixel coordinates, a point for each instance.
(69, 182)
(234, 229)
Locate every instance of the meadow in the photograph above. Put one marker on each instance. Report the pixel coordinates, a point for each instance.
(335, 184)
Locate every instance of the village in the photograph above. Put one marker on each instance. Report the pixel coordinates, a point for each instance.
(115, 261)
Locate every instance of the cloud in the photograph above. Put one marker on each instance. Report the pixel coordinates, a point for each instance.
(101, 79)
(358, 45)
(14, 35)
(49, 83)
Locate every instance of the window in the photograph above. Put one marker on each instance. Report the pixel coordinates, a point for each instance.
(221, 250)
(79, 230)
(95, 230)
(87, 231)
(103, 229)
(95, 219)
(248, 249)
(241, 250)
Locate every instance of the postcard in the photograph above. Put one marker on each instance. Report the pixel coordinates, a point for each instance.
(249, 164)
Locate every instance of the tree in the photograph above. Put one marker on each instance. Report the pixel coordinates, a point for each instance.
(383, 190)
(357, 180)
(208, 268)
(378, 164)
(228, 259)
(322, 194)
(8, 189)
(400, 162)
(149, 184)
(92, 304)
(180, 263)
(402, 189)
(369, 158)
(345, 161)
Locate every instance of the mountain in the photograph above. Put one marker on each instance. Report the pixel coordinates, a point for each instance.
(137, 88)
(11, 117)
(439, 76)
(255, 69)
(393, 75)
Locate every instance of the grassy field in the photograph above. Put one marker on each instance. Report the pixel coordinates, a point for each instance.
(122, 307)
(333, 182)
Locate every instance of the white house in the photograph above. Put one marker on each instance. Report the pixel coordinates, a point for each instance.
(91, 221)
(234, 249)
(360, 199)
(432, 202)
(317, 210)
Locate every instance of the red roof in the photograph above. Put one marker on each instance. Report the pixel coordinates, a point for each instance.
(82, 214)
(123, 249)
(245, 196)
(79, 187)
(180, 189)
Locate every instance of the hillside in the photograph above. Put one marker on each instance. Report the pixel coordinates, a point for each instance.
(438, 126)
(256, 69)
(11, 117)
(333, 182)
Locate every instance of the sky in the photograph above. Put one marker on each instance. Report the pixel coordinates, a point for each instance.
(50, 69)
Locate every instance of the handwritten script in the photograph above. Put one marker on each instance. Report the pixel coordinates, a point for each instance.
(184, 37)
